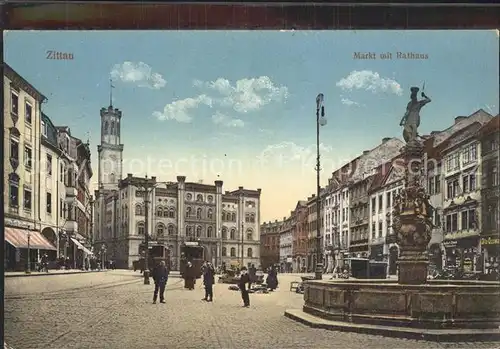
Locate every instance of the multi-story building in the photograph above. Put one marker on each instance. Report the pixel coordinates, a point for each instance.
(300, 236)
(226, 223)
(22, 172)
(270, 243)
(462, 200)
(386, 184)
(314, 219)
(489, 135)
(360, 181)
(286, 244)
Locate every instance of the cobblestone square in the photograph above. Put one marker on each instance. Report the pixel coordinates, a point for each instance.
(114, 310)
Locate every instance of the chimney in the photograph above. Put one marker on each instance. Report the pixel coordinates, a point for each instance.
(240, 188)
(366, 152)
(284, 218)
(460, 118)
(385, 139)
(129, 175)
(433, 133)
(313, 196)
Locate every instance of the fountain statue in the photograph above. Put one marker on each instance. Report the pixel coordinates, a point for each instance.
(412, 306)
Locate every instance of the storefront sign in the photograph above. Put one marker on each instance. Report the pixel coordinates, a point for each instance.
(490, 241)
(450, 243)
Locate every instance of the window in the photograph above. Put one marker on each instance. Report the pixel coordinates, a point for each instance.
(13, 195)
(14, 149)
(165, 212)
(49, 203)
(247, 218)
(380, 203)
(198, 231)
(199, 198)
(374, 232)
(210, 213)
(61, 208)
(249, 253)
(14, 103)
(374, 206)
(141, 228)
(249, 234)
(27, 199)
(468, 219)
(49, 165)
(224, 232)
(494, 176)
(189, 231)
(209, 232)
(61, 174)
(233, 252)
(232, 234)
(252, 217)
(452, 189)
(224, 252)
(188, 212)
(198, 213)
(437, 187)
(159, 212)
(469, 183)
(380, 227)
(388, 199)
(233, 217)
(452, 222)
(170, 229)
(223, 215)
(171, 213)
(160, 230)
(28, 110)
(44, 129)
(452, 162)
(28, 159)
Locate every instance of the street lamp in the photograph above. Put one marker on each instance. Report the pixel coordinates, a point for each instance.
(28, 269)
(320, 121)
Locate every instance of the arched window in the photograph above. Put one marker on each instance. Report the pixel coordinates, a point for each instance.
(188, 212)
(198, 213)
(199, 197)
(233, 217)
(224, 252)
(210, 199)
(141, 228)
(189, 230)
(224, 233)
(233, 252)
(198, 231)
(209, 232)
(249, 234)
(171, 212)
(250, 252)
(112, 178)
(171, 229)
(138, 210)
(105, 127)
(252, 218)
(160, 230)
(112, 131)
(165, 212)
(210, 213)
(223, 215)
(232, 234)
(159, 212)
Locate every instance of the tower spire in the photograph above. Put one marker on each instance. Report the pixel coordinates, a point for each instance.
(111, 87)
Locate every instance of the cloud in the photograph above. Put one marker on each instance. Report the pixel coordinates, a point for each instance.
(369, 81)
(221, 119)
(139, 74)
(266, 131)
(245, 95)
(348, 102)
(179, 110)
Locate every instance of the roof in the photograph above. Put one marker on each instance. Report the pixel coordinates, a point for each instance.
(490, 127)
(18, 79)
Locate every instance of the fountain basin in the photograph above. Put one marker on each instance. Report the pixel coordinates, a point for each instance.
(469, 309)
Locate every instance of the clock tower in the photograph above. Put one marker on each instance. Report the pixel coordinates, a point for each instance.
(110, 150)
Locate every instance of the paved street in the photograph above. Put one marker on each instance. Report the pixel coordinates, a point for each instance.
(114, 310)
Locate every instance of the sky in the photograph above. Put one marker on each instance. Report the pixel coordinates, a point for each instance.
(239, 106)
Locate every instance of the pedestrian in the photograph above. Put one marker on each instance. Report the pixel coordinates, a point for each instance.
(242, 284)
(160, 278)
(209, 281)
(272, 279)
(189, 277)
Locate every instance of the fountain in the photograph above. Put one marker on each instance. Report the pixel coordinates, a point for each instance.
(412, 306)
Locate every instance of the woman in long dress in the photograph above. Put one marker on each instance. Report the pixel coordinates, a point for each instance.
(189, 278)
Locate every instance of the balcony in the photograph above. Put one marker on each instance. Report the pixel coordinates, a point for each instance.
(71, 226)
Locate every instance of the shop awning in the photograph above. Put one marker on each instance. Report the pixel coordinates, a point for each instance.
(81, 247)
(18, 238)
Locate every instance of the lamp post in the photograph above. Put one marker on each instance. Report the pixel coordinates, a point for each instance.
(320, 121)
(242, 248)
(103, 252)
(28, 269)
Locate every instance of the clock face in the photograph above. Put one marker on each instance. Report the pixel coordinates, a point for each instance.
(113, 157)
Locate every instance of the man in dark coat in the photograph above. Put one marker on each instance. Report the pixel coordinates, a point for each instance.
(208, 281)
(189, 277)
(272, 279)
(252, 272)
(242, 284)
(160, 277)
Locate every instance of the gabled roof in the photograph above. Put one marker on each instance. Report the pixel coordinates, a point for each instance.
(491, 127)
(383, 173)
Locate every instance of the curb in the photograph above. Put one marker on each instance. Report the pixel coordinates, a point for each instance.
(52, 274)
(452, 335)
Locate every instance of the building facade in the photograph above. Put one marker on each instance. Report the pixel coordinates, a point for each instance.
(300, 237)
(489, 135)
(286, 244)
(270, 244)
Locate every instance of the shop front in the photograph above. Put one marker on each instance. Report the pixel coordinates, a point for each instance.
(359, 249)
(463, 254)
(490, 252)
(377, 252)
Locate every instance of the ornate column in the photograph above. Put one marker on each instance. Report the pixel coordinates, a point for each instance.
(412, 219)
